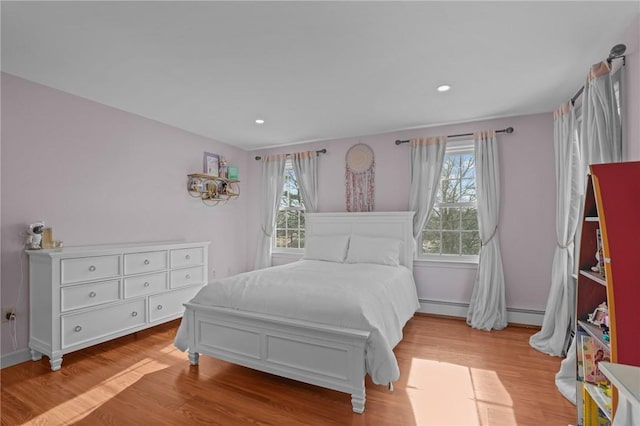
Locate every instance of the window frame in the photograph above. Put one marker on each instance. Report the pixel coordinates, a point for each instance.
(466, 146)
(288, 167)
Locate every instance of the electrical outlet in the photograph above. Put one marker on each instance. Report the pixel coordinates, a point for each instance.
(9, 314)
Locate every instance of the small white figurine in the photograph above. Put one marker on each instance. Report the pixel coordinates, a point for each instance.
(35, 235)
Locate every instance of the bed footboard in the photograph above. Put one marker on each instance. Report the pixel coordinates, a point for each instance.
(317, 354)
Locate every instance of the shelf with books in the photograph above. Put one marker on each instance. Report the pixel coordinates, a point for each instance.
(607, 290)
(602, 399)
(595, 332)
(595, 276)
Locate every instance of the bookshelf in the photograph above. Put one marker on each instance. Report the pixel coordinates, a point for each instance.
(612, 208)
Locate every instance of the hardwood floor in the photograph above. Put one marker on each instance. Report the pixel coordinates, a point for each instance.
(450, 375)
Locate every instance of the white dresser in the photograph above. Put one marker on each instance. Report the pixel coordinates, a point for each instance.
(81, 296)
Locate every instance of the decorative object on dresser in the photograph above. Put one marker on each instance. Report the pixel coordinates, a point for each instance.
(81, 296)
(606, 308)
(359, 178)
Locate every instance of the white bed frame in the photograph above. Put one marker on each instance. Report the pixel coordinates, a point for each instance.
(327, 356)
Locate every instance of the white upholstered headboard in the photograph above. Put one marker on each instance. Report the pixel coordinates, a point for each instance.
(374, 224)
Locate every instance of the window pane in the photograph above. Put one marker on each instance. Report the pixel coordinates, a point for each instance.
(470, 242)
(302, 220)
(281, 219)
(469, 218)
(434, 219)
(301, 236)
(450, 242)
(281, 238)
(450, 191)
(431, 242)
(292, 219)
(293, 239)
(450, 218)
(467, 190)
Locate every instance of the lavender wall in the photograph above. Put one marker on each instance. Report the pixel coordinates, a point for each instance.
(631, 38)
(527, 227)
(100, 175)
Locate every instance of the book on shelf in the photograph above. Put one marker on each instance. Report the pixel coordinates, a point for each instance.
(579, 354)
(600, 253)
(592, 354)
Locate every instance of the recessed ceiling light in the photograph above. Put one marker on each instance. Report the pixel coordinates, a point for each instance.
(444, 88)
(259, 121)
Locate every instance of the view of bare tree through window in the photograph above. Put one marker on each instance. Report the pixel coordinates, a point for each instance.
(290, 219)
(452, 228)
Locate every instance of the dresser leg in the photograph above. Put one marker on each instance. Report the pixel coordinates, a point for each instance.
(194, 358)
(35, 355)
(56, 363)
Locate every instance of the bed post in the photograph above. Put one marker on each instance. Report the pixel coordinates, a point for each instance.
(358, 399)
(194, 357)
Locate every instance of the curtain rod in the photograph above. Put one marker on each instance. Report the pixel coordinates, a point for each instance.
(320, 151)
(617, 52)
(507, 130)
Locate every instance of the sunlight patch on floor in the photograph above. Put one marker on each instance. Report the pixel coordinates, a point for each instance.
(448, 394)
(82, 405)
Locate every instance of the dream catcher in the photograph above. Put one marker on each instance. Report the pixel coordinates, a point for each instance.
(359, 178)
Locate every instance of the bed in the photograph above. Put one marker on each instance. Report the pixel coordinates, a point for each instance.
(328, 319)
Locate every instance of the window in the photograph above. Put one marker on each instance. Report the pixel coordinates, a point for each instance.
(290, 220)
(452, 229)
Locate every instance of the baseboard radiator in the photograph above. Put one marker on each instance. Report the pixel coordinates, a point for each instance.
(457, 309)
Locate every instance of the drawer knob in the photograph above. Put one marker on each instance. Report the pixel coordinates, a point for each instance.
(188, 257)
(187, 276)
(92, 268)
(146, 261)
(92, 294)
(134, 314)
(146, 284)
(77, 328)
(159, 307)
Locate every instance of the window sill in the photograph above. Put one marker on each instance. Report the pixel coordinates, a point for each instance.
(288, 253)
(466, 262)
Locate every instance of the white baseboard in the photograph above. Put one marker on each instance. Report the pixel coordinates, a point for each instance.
(456, 309)
(14, 358)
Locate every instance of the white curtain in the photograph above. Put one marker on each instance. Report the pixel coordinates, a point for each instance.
(601, 131)
(305, 166)
(427, 155)
(554, 336)
(487, 308)
(272, 185)
(600, 142)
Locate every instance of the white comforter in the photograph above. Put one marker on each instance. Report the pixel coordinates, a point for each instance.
(370, 297)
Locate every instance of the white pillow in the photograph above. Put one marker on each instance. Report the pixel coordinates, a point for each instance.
(332, 248)
(384, 251)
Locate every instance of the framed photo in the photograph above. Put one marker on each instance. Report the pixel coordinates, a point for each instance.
(211, 164)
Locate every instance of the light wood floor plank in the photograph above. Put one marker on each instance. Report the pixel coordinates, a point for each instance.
(450, 375)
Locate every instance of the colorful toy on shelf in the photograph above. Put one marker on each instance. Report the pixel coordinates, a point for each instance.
(600, 315)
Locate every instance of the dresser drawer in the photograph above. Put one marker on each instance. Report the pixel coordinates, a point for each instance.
(187, 257)
(83, 295)
(137, 263)
(145, 284)
(170, 304)
(89, 268)
(188, 276)
(88, 326)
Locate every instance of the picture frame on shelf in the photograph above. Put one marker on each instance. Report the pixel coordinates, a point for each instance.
(211, 164)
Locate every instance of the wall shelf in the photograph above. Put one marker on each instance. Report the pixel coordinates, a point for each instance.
(212, 190)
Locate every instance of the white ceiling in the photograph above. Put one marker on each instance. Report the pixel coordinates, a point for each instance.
(312, 70)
